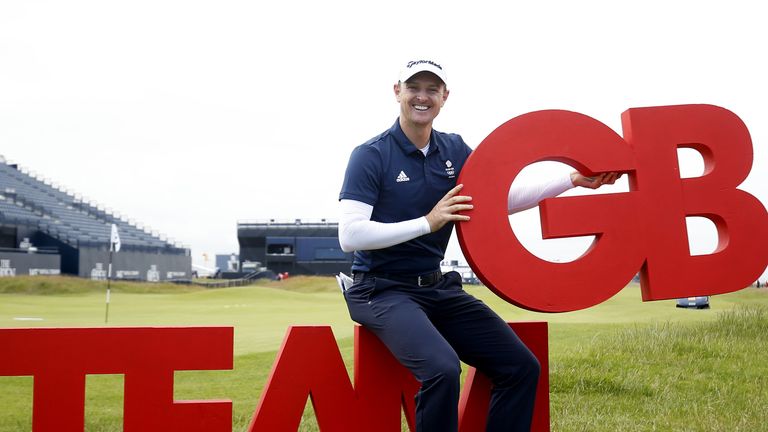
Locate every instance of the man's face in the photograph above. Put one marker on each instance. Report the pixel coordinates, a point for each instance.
(421, 98)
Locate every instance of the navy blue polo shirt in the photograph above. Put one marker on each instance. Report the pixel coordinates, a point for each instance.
(389, 173)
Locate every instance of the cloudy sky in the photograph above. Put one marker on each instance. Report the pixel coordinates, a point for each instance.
(191, 115)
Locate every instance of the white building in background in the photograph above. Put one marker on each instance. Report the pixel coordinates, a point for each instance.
(467, 275)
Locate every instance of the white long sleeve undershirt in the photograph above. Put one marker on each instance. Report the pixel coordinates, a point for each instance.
(358, 232)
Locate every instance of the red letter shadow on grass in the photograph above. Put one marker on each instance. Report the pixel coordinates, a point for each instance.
(309, 364)
(60, 358)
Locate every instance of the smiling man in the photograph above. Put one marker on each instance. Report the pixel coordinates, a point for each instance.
(399, 202)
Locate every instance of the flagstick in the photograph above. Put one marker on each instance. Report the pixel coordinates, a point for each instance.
(114, 246)
(109, 279)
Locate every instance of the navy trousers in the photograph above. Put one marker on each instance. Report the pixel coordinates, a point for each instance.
(430, 329)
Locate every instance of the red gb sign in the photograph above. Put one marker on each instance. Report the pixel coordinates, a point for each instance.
(643, 230)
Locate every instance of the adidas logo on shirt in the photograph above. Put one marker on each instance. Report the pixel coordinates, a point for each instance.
(402, 177)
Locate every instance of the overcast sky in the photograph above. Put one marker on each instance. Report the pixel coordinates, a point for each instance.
(191, 115)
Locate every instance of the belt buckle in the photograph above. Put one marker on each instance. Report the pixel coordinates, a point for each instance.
(426, 282)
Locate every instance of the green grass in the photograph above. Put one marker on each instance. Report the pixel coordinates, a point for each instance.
(623, 365)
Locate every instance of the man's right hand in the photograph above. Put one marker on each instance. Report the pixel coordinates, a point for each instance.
(446, 210)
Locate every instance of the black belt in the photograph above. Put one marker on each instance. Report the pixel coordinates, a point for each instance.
(420, 280)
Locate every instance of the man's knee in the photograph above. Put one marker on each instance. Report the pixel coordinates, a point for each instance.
(523, 371)
(445, 369)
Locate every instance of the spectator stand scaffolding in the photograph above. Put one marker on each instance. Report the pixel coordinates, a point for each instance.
(46, 229)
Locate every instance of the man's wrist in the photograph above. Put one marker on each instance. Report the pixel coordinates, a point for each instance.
(425, 226)
(573, 177)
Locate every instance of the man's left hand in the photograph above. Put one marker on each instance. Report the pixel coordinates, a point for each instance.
(594, 182)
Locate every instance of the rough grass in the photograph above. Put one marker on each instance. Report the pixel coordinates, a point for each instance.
(69, 285)
(621, 366)
(708, 376)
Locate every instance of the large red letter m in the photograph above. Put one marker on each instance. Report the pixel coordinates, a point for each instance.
(309, 365)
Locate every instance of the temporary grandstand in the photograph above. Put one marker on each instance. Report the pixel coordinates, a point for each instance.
(296, 247)
(45, 229)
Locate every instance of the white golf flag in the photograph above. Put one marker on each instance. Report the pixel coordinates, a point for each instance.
(114, 240)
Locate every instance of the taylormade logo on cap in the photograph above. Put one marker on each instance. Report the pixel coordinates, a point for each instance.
(415, 66)
(418, 62)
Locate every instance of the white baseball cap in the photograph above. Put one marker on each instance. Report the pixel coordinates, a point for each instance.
(415, 66)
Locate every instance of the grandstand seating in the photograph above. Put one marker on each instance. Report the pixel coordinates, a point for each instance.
(28, 200)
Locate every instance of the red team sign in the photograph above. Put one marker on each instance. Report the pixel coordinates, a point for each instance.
(642, 230)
